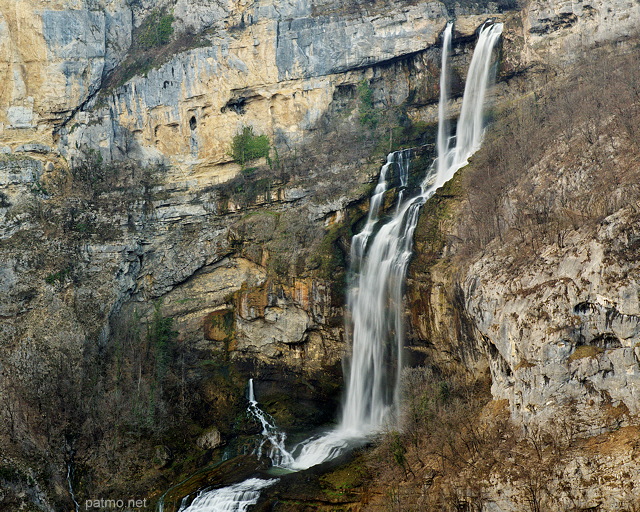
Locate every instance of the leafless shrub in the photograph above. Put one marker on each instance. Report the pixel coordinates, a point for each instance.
(559, 159)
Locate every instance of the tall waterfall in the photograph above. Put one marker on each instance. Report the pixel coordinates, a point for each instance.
(380, 260)
(380, 254)
(443, 121)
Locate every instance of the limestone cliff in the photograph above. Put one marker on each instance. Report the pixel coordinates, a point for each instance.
(143, 265)
(138, 253)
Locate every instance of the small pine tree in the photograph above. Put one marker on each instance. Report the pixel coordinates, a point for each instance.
(247, 146)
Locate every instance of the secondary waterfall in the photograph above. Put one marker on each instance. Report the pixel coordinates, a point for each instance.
(380, 254)
(235, 498)
(443, 121)
(470, 124)
(73, 496)
(270, 434)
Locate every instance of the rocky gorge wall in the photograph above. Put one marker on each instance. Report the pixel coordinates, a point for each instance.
(141, 295)
(249, 262)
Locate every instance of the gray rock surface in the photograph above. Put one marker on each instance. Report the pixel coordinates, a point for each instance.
(209, 439)
(33, 147)
(322, 45)
(566, 329)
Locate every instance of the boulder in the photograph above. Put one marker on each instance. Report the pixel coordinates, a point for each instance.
(209, 439)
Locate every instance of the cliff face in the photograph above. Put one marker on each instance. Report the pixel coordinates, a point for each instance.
(272, 66)
(524, 270)
(149, 280)
(158, 219)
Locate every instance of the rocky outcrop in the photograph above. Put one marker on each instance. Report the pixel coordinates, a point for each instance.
(567, 328)
(277, 71)
(560, 29)
(524, 269)
(55, 58)
(209, 439)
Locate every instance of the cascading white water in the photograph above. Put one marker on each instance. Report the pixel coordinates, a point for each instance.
(234, 498)
(375, 300)
(443, 121)
(359, 241)
(367, 399)
(470, 123)
(270, 434)
(73, 496)
(378, 263)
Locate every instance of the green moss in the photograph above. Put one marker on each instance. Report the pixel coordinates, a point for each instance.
(430, 237)
(11, 474)
(82, 227)
(161, 337)
(585, 351)
(57, 277)
(156, 30)
(270, 213)
(186, 300)
(39, 189)
(329, 256)
(345, 478)
(224, 322)
(369, 116)
(10, 157)
(409, 134)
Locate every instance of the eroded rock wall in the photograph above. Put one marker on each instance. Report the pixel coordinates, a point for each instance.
(76, 259)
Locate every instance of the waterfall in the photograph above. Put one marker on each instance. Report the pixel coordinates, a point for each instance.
(359, 241)
(270, 434)
(380, 254)
(470, 124)
(73, 496)
(375, 300)
(234, 498)
(367, 397)
(238, 497)
(443, 121)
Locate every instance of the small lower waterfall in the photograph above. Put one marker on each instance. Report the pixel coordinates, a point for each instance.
(380, 254)
(270, 434)
(73, 496)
